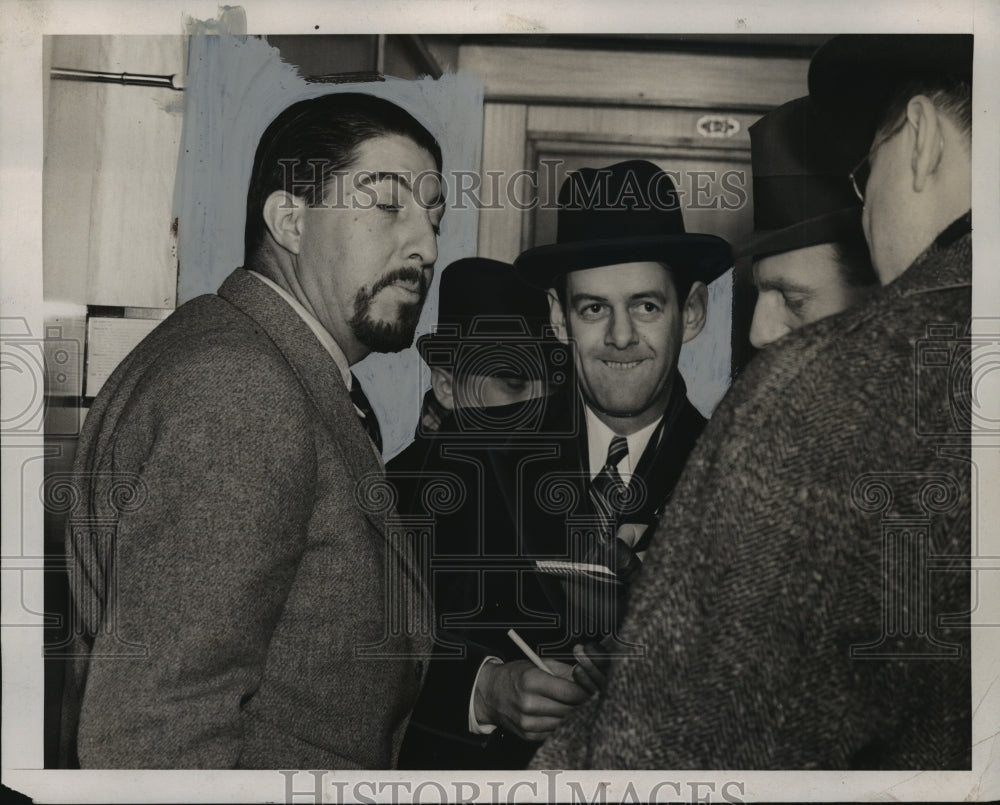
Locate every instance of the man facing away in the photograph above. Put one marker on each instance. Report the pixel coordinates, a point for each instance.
(235, 610)
(810, 256)
(807, 608)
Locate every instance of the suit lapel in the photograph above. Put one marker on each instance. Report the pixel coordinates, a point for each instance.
(543, 533)
(661, 462)
(315, 369)
(320, 376)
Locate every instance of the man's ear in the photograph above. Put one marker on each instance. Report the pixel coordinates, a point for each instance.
(442, 381)
(557, 316)
(695, 310)
(284, 217)
(929, 140)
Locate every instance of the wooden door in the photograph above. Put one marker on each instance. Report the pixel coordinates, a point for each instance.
(549, 111)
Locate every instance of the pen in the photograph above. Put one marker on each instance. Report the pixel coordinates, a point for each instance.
(528, 652)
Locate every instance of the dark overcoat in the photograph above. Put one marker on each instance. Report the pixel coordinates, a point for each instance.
(524, 498)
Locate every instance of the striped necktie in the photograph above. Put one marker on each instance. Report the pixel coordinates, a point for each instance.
(365, 413)
(608, 491)
(609, 495)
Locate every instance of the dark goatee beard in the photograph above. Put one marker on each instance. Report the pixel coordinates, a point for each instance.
(388, 336)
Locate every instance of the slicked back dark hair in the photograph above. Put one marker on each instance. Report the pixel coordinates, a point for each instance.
(313, 139)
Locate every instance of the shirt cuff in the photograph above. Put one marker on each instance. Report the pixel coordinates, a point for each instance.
(474, 726)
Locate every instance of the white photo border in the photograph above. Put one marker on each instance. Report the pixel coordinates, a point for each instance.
(21, 114)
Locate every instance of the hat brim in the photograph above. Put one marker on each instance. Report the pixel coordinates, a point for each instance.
(827, 228)
(702, 257)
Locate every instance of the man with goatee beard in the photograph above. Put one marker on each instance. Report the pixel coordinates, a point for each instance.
(234, 611)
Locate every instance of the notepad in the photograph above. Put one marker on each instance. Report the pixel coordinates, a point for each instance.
(557, 567)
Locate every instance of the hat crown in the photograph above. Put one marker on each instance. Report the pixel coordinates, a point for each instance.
(627, 199)
(854, 75)
(628, 212)
(491, 323)
(479, 296)
(801, 160)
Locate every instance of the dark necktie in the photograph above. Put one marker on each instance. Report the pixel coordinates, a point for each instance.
(608, 490)
(609, 495)
(365, 413)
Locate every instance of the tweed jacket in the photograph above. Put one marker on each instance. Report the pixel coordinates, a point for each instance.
(235, 610)
(504, 524)
(807, 606)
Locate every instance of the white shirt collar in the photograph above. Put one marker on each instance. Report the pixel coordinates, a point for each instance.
(599, 438)
(318, 329)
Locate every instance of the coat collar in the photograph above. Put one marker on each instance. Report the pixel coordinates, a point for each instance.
(314, 368)
(946, 263)
(676, 404)
(658, 468)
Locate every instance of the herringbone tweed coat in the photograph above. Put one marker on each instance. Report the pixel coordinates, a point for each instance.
(249, 561)
(802, 606)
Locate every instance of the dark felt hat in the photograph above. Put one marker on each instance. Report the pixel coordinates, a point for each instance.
(625, 213)
(491, 323)
(802, 194)
(853, 76)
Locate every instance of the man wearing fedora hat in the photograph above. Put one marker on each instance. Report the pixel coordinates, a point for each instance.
(808, 605)
(573, 497)
(487, 347)
(809, 251)
(489, 351)
(626, 287)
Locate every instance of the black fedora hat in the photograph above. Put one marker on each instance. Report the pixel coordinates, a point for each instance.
(625, 213)
(802, 196)
(855, 75)
(490, 323)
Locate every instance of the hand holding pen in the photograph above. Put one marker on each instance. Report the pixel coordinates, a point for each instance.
(591, 669)
(527, 698)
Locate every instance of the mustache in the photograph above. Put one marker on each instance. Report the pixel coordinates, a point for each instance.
(406, 274)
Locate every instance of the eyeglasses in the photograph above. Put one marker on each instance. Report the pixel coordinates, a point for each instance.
(863, 170)
(859, 176)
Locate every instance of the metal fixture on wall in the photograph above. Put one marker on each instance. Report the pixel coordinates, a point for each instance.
(126, 79)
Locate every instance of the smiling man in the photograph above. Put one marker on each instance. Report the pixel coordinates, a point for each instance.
(223, 623)
(628, 322)
(564, 519)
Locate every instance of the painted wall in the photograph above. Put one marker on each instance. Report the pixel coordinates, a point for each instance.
(235, 87)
